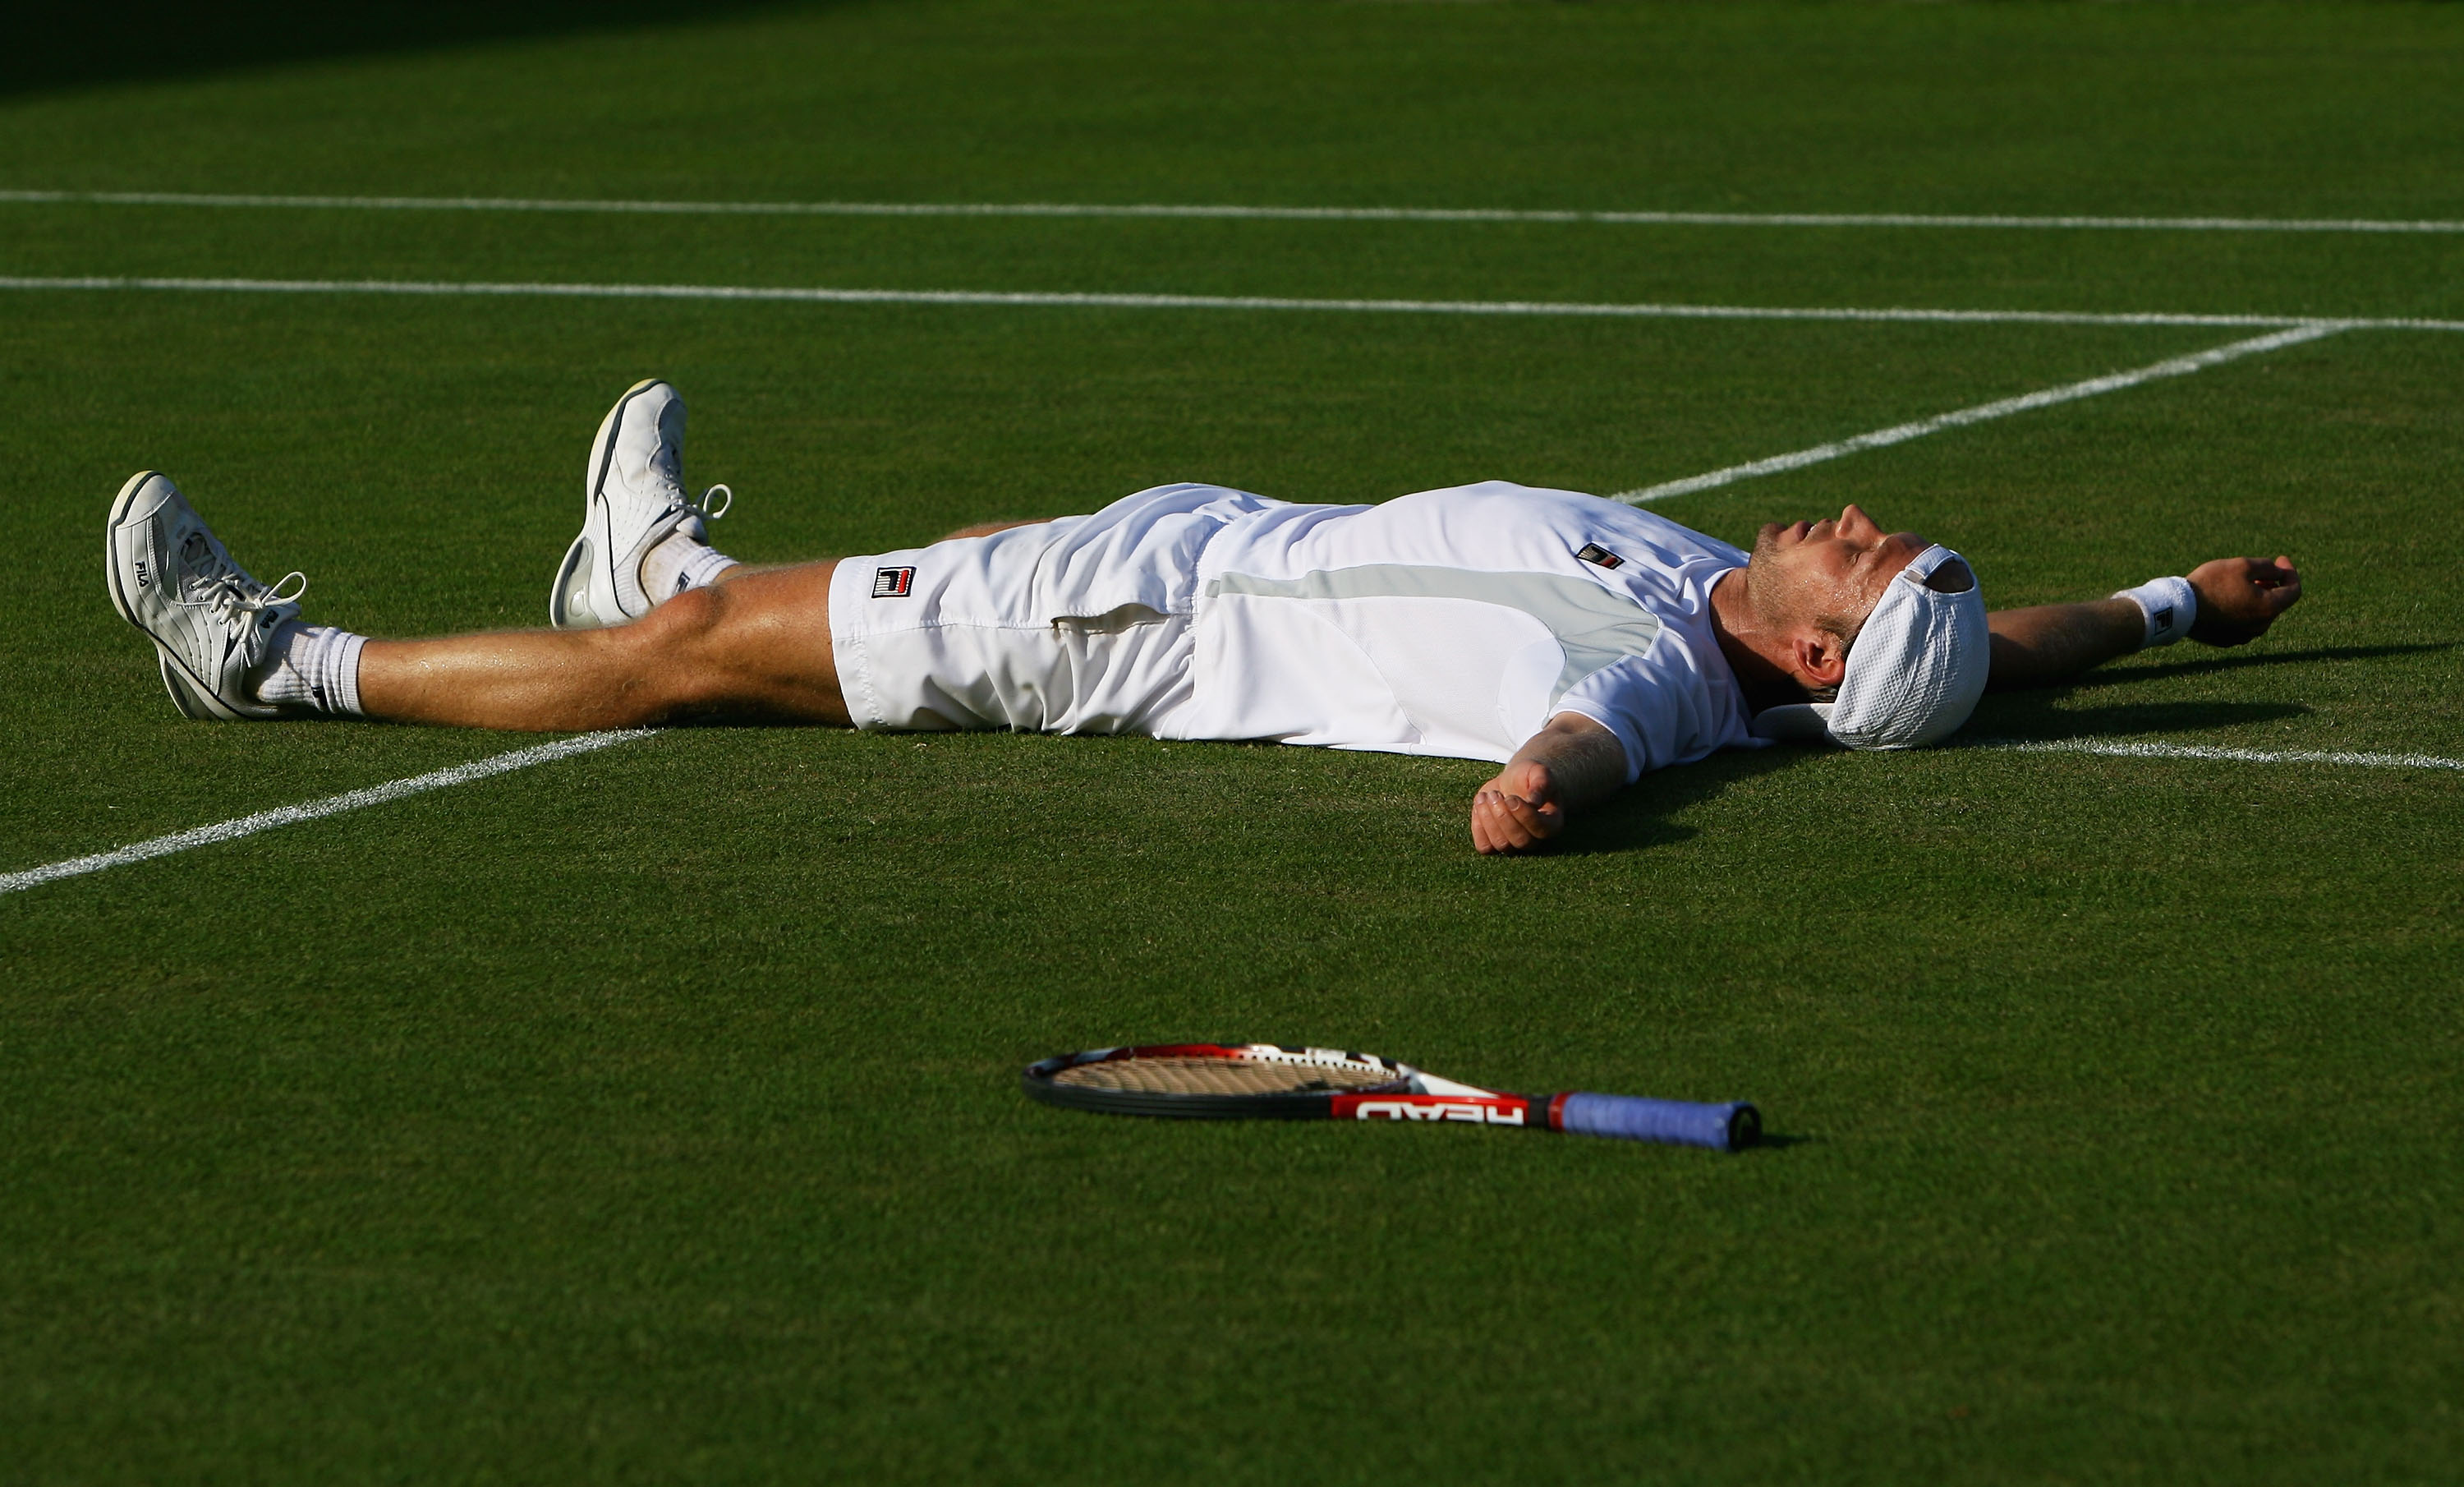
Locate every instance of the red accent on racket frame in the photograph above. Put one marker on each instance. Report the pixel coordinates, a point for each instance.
(1514, 1110)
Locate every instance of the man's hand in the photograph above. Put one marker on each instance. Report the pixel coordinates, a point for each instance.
(1518, 809)
(2240, 597)
(1571, 760)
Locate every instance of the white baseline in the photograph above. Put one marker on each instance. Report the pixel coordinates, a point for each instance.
(310, 811)
(2120, 749)
(1100, 301)
(895, 208)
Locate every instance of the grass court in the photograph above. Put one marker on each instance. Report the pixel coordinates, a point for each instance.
(652, 1115)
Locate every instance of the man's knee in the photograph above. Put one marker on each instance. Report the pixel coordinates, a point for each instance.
(683, 642)
(688, 620)
(762, 646)
(665, 655)
(714, 650)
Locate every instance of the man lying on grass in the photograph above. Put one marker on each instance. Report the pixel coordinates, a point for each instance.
(1577, 640)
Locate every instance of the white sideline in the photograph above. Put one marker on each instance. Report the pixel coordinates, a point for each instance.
(1913, 315)
(889, 208)
(2116, 749)
(331, 805)
(1900, 433)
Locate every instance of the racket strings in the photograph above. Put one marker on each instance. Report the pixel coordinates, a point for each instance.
(1220, 1077)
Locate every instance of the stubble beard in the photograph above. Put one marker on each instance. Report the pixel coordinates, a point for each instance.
(1765, 582)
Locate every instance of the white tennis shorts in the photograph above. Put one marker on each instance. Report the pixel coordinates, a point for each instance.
(1080, 625)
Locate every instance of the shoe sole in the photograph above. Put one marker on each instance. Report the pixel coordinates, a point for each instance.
(561, 614)
(186, 700)
(189, 693)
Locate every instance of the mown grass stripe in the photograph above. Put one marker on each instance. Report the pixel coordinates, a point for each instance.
(887, 209)
(316, 810)
(1153, 301)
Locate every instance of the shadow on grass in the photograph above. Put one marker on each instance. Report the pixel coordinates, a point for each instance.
(2034, 713)
(1637, 817)
(2240, 661)
(1773, 1141)
(2033, 716)
(55, 48)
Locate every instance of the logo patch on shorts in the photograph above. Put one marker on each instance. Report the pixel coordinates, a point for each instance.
(892, 583)
(1593, 552)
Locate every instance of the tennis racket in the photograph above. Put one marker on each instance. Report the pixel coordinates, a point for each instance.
(1267, 1082)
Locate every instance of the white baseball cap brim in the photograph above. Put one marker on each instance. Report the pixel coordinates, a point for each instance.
(1916, 671)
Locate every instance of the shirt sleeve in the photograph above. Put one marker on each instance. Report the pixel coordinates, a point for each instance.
(1658, 704)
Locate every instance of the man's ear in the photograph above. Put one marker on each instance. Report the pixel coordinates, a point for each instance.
(1818, 658)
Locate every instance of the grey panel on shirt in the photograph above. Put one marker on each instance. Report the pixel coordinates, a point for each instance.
(1594, 627)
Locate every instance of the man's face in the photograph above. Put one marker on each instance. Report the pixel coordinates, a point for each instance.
(1807, 573)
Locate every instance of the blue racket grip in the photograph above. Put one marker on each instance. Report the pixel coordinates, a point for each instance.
(1675, 1122)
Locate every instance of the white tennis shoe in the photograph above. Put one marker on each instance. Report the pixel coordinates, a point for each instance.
(211, 624)
(633, 497)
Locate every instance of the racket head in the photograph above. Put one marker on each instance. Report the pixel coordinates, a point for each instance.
(1214, 1081)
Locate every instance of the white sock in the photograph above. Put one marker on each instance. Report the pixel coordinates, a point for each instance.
(681, 561)
(316, 667)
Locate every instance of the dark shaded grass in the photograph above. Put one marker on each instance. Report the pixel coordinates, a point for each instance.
(66, 48)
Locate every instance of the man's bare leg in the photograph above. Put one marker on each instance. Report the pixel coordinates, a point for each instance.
(736, 642)
(756, 645)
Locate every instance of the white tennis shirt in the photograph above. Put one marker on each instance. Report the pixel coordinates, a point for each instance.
(1458, 622)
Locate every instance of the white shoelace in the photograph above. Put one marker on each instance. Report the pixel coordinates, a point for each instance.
(229, 593)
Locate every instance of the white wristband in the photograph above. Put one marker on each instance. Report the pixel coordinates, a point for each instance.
(2169, 605)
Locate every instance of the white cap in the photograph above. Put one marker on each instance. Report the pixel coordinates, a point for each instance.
(1917, 668)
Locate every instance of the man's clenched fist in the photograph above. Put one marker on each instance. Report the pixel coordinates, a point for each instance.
(2240, 597)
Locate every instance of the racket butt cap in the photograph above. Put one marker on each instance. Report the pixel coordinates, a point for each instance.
(1744, 1127)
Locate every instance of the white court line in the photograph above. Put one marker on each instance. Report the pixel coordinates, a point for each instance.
(889, 208)
(1900, 433)
(2116, 749)
(331, 805)
(1145, 301)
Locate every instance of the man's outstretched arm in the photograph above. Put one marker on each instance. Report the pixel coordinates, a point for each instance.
(1571, 761)
(2237, 599)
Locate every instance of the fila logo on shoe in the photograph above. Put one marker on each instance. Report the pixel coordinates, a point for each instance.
(144, 574)
(892, 583)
